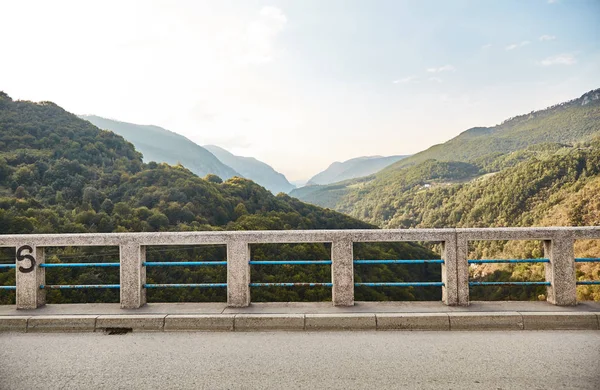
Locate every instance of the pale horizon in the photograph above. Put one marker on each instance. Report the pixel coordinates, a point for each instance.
(300, 85)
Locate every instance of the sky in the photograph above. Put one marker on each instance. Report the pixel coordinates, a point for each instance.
(301, 84)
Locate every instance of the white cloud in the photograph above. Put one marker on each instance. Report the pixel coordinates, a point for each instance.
(486, 46)
(445, 68)
(547, 38)
(435, 79)
(561, 59)
(259, 37)
(552, 1)
(517, 45)
(406, 80)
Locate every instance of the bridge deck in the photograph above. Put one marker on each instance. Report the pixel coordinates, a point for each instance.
(302, 316)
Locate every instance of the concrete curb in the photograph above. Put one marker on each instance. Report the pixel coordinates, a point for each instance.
(201, 322)
(249, 322)
(412, 321)
(68, 323)
(146, 323)
(453, 321)
(486, 321)
(350, 321)
(13, 323)
(561, 321)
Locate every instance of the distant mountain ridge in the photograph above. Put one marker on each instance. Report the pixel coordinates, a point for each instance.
(253, 169)
(580, 116)
(353, 168)
(162, 145)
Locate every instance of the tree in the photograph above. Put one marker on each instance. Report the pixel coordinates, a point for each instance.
(240, 210)
(158, 221)
(92, 197)
(213, 179)
(21, 193)
(107, 206)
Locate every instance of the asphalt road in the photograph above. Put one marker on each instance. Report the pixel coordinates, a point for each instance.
(278, 360)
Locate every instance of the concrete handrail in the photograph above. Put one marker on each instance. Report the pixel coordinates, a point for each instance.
(558, 247)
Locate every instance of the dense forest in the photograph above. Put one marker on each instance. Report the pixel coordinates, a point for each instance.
(59, 174)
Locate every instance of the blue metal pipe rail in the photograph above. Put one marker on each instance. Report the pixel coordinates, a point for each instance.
(434, 261)
(401, 284)
(587, 260)
(182, 263)
(291, 284)
(78, 265)
(289, 262)
(509, 283)
(189, 285)
(8, 266)
(508, 261)
(77, 286)
(8, 287)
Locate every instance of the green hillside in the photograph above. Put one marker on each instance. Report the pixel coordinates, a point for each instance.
(253, 169)
(59, 174)
(161, 145)
(370, 197)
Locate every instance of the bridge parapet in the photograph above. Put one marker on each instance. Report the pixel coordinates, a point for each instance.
(558, 247)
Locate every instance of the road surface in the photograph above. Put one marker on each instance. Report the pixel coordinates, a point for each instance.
(302, 360)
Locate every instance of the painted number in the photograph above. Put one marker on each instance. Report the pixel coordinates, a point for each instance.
(21, 257)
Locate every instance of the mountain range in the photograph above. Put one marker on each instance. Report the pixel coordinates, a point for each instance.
(162, 145)
(477, 152)
(353, 168)
(253, 169)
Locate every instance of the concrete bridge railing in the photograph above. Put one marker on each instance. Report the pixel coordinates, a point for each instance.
(558, 247)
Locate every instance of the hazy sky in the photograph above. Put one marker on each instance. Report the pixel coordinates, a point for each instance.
(300, 84)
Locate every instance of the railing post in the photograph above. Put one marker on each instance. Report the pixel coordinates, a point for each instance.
(342, 272)
(30, 276)
(449, 272)
(560, 272)
(133, 275)
(462, 269)
(238, 274)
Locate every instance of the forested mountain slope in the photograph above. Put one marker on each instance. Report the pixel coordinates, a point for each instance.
(161, 145)
(519, 195)
(59, 173)
(253, 169)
